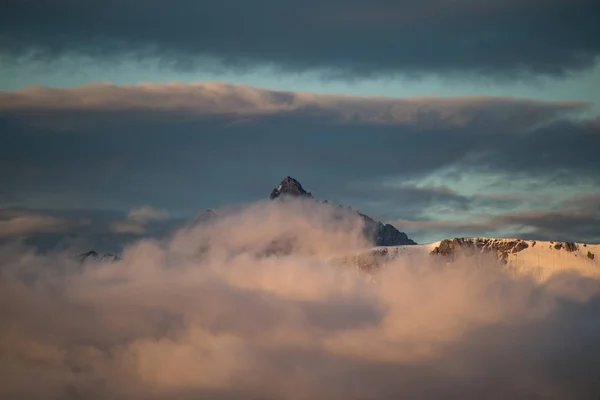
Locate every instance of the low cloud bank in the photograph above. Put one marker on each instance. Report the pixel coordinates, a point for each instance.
(17, 223)
(248, 305)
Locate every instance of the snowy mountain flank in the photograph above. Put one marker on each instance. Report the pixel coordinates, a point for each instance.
(540, 259)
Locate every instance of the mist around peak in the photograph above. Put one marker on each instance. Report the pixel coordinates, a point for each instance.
(249, 305)
(378, 233)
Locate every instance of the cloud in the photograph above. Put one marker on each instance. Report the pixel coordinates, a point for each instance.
(566, 224)
(81, 230)
(210, 313)
(146, 214)
(128, 227)
(589, 201)
(15, 223)
(430, 213)
(138, 219)
(537, 152)
(176, 101)
(569, 224)
(443, 225)
(344, 38)
(199, 146)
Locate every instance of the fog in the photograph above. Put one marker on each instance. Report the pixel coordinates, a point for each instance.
(249, 305)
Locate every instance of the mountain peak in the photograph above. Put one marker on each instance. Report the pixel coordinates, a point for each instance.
(380, 234)
(94, 255)
(289, 187)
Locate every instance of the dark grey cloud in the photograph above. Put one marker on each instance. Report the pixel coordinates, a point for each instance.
(574, 224)
(569, 149)
(82, 230)
(416, 204)
(188, 148)
(345, 37)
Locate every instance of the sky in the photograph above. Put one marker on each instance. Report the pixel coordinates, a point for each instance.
(463, 119)
(123, 121)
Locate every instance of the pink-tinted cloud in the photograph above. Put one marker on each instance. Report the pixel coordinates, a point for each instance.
(209, 314)
(213, 99)
(138, 219)
(24, 223)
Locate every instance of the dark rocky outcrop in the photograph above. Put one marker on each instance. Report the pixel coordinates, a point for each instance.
(88, 255)
(289, 187)
(93, 255)
(378, 233)
(570, 246)
(384, 234)
(501, 248)
(590, 255)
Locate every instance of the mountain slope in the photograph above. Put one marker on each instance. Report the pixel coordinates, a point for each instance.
(380, 234)
(289, 187)
(540, 259)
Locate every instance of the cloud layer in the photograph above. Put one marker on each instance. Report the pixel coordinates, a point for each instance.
(192, 147)
(138, 219)
(346, 38)
(14, 223)
(215, 99)
(212, 313)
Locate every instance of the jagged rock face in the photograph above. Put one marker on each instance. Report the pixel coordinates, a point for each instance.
(384, 235)
(590, 255)
(502, 248)
(379, 234)
(568, 246)
(289, 187)
(93, 255)
(89, 255)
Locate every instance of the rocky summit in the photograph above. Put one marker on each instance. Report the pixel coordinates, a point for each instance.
(289, 187)
(380, 234)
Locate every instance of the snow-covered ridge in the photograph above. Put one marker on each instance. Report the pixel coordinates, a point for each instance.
(541, 259)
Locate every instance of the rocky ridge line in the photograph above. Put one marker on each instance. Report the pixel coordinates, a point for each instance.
(380, 234)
